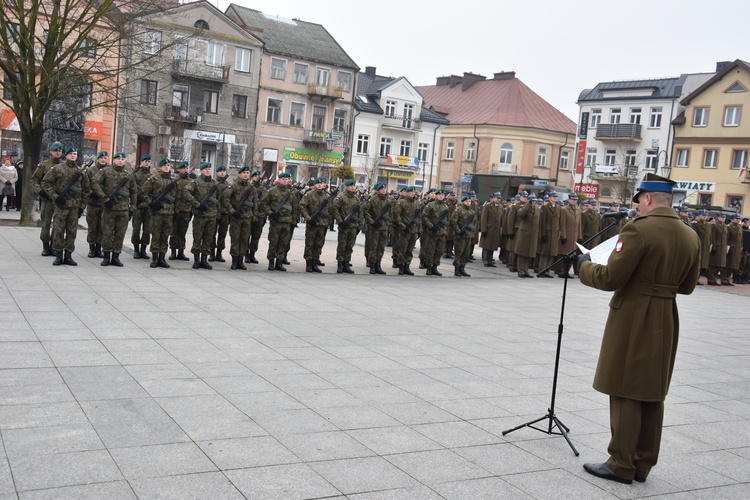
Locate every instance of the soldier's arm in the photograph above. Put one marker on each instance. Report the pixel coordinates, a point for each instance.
(133, 192)
(85, 191)
(48, 184)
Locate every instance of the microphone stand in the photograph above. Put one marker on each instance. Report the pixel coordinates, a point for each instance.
(553, 421)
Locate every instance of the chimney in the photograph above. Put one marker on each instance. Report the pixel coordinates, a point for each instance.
(470, 79)
(504, 75)
(443, 80)
(455, 80)
(370, 71)
(721, 65)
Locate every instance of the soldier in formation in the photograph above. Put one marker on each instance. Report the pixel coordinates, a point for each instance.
(240, 201)
(258, 220)
(118, 193)
(218, 241)
(407, 221)
(94, 208)
(201, 195)
(435, 224)
(314, 209)
(157, 193)
(347, 211)
(183, 213)
(47, 207)
(282, 206)
(464, 230)
(141, 222)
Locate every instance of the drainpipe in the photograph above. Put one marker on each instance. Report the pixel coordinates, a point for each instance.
(432, 156)
(559, 159)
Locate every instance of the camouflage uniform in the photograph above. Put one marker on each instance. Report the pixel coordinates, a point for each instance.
(462, 239)
(239, 226)
(434, 241)
(141, 222)
(47, 208)
(94, 213)
(218, 241)
(280, 230)
(115, 212)
(204, 217)
(66, 216)
(346, 203)
(449, 237)
(377, 233)
(160, 220)
(256, 228)
(183, 212)
(406, 239)
(315, 230)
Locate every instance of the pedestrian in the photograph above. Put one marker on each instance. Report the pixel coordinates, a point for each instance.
(8, 178)
(19, 185)
(118, 193)
(656, 257)
(141, 221)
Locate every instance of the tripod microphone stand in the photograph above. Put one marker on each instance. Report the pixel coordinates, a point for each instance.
(553, 421)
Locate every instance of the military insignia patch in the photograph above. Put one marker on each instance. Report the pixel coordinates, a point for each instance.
(618, 247)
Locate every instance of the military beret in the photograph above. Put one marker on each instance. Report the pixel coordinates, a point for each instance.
(182, 164)
(378, 186)
(221, 167)
(350, 182)
(284, 175)
(471, 193)
(70, 149)
(257, 172)
(431, 190)
(439, 191)
(163, 161)
(654, 183)
(119, 154)
(146, 157)
(244, 168)
(56, 146)
(572, 196)
(409, 189)
(451, 193)
(321, 179)
(102, 154)
(553, 193)
(205, 164)
(466, 197)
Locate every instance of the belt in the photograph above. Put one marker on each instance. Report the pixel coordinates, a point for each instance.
(658, 290)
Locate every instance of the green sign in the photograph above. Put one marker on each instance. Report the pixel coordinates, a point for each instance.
(312, 156)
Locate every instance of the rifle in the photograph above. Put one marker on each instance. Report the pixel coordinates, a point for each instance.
(350, 216)
(277, 211)
(158, 203)
(114, 195)
(243, 204)
(414, 218)
(382, 217)
(320, 211)
(440, 222)
(210, 195)
(467, 225)
(70, 186)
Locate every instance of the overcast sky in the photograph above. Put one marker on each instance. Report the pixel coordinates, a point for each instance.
(556, 47)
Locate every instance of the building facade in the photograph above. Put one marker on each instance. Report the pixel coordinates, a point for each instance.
(305, 97)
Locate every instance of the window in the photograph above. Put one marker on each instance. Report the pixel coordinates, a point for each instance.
(7, 94)
(405, 148)
(564, 160)
(710, 157)
(322, 76)
(344, 81)
(363, 144)
(737, 87)
(635, 116)
(180, 100)
(735, 202)
(450, 148)
(606, 192)
(610, 157)
(148, 92)
(390, 108)
(683, 157)
(319, 118)
(242, 60)
(596, 118)
(732, 116)
(211, 100)
(705, 199)
(180, 52)
(408, 115)
(630, 157)
(339, 120)
(273, 112)
(87, 90)
(700, 117)
(152, 42)
(654, 119)
(652, 159)
(386, 143)
(614, 115)
(239, 106)
(541, 157)
(277, 70)
(471, 151)
(88, 47)
(423, 149)
(301, 72)
(297, 115)
(739, 159)
(506, 154)
(591, 157)
(215, 54)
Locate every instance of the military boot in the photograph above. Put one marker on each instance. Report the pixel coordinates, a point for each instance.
(318, 263)
(464, 273)
(58, 258)
(234, 262)
(308, 266)
(106, 260)
(92, 251)
(726, 282)
(457, 271)
(240, 264)
(435, 271)
(285, 261)
(314, 266)
(136, 253)
(173, 254)
(428, 270)
(407, 271)
(161, 261)
(45, 249)
(154, 260)
(252, 260)
(401, 269)
(422, 264)
(219, 258)
(115, 259)
(68, 259)
(212, 255)
(378, 268)
(340, 267)
(271, 265)
(99, 252)
(143, 253)
(348, 268)
(204, 262)
(181, 255)
(196, 261)
(279, 265)
(372, 268)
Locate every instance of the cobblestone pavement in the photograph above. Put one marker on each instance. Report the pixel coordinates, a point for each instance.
(149, 383)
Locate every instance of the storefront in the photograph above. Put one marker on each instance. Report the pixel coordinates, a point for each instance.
(305, 164)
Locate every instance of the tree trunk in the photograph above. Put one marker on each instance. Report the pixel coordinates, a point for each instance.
(31, 141)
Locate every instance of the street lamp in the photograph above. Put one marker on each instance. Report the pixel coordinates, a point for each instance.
(666, 169)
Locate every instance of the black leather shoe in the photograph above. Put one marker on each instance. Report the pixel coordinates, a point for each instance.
(604, 472)
(640, 479)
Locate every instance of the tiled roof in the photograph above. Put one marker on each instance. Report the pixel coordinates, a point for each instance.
(368, 88)
(430, 116)
(506, 102)
(293, 38)
(661, 88)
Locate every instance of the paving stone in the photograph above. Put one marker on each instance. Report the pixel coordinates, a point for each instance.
(34, 472)
(161, 460)
(281, 482)
(437, 466)
(358, 475)
(50, 440)
(117, 490)
(212, 485)
(319, 446)
(392, 440)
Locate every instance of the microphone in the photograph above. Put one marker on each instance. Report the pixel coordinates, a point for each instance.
(620, 215)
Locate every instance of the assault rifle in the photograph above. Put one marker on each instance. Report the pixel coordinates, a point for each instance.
(210, 196)
(414, 218)
(320, 212)
(344, 224)
(282, 204)
(70, 186)
(467, 226)
(158, 203)
(243, 205)
(440, 222)
(114, 195)
(382, 217)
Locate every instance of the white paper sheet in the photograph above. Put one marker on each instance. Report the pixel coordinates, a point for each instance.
(601, 252)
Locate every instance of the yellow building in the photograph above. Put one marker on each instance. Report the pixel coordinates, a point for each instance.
(712, 140)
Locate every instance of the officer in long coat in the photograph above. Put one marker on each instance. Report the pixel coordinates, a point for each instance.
(734, 255)
(703, 229)
(590, 223)
(549, 233)
(527, 236)
(640, 338)
(570, 232)
(614, 229)
(717, 260)
(490, 224)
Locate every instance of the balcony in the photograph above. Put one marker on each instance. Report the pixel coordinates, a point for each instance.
(746, 177)
(618, 132)
(183, 114)
(200, 70)
(329, 91)
(402, 123)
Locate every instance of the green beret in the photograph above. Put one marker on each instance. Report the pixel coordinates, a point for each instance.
(221, 167)
(244, 168)
(378, 186)
(283, 175)
(349, 182)
(257, 172)
(431, 190)
(439, 191)
(466, 197)
(146, 157)
(102, 154)
(321, 179)
(182, 164)
(119, 154)
(70, 149)
(205, 164)
(409, 189)
(56, 146)
(163, 162)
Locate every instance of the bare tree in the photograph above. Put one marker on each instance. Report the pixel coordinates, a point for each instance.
(371, 168)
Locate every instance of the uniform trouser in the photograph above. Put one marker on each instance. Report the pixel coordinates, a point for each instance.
(65, 229)
(256, 230)
(47, 212)
(347, 238)
(315, 238)
(141, 227)
(563, 267)
(433, 248)
(396, 237)
(512, 259)
(406, 243)
(546, 261)
(160, 227)
(220, 235)
(714, 270)
(204, 228)
(114, 225)
(378, 239)
(179, 230)
(279, 234)
(94, 223)
(487, 256)
(422, 240)
(462, 250)
(522, 264)
(288, 244)
(367, 244)
(636, 436)
(239, 235)
(450, 243)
